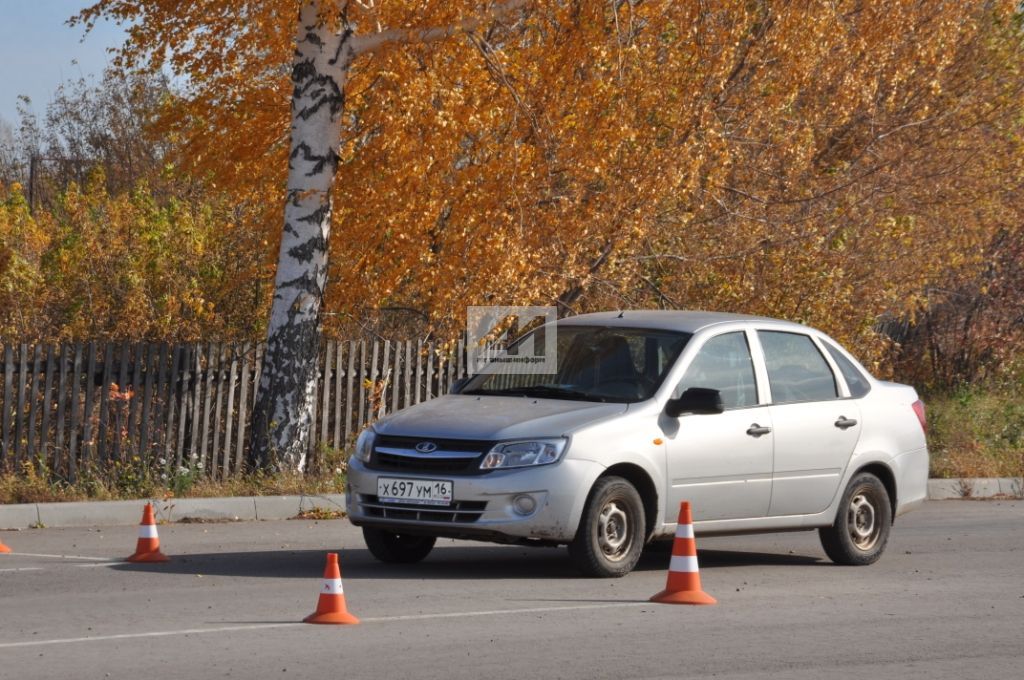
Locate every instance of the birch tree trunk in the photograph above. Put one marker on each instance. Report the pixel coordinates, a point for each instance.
(286, 393)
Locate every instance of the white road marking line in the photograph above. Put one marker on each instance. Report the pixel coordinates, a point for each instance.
(22, 569)
(99, 564)
(500, 612)
(62, 557)
(261, 626)
(129, 636)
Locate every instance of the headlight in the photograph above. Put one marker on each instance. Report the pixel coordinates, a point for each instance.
(524, 454)
(364, 444)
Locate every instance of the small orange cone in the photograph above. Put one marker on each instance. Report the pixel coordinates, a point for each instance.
(147, 549)
(330, 608)
(683, 585)
(4, 548)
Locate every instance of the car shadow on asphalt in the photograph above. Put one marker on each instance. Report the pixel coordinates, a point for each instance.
(711, 559)
(473, 562)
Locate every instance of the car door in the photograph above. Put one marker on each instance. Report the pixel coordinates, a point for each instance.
(722, 463)
(815, 429)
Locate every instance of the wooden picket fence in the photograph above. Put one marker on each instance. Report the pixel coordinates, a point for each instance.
(65, 406)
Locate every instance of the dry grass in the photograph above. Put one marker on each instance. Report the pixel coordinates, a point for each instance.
(133, 479)
(35, 489)
(321, 513)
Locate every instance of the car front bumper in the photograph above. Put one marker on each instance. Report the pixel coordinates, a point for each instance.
(482, 505)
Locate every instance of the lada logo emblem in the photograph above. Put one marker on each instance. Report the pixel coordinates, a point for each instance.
(426, 447)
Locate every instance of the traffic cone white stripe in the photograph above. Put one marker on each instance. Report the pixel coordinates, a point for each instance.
(330, 606)
(332, 587)
(684, 531)
(683, 563)
(147, 547)
(147, 531)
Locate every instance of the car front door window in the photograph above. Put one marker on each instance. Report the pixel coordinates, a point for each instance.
(723, 364)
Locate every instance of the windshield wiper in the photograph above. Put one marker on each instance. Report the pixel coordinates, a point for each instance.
(543, 391)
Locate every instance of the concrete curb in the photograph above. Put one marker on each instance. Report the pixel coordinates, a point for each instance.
(977, 487)
(116, 513)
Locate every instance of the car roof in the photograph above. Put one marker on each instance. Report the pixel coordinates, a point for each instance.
(669, 319)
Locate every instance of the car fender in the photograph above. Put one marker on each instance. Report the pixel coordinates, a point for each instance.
(632, 459)
(858, 461)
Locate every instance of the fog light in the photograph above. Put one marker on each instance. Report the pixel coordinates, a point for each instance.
(524, 504)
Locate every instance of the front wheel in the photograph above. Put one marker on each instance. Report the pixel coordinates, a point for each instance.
(610, 537)
(388, 546)
(861, 530)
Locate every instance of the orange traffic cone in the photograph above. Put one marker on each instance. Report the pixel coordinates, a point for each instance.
(330, 608)
(4, 548)
(147, 549)
(683, 585)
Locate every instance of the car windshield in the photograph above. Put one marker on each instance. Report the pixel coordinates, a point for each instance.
(593, 363)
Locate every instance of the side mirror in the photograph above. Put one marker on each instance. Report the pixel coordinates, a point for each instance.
(458, 385)
(696, 400)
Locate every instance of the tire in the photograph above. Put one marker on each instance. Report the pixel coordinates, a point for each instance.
(610, 537)
(388, 546)
(863, 522)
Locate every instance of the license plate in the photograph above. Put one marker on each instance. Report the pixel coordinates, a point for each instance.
(414, 491)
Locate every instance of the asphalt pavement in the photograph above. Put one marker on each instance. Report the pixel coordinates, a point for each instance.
(946, 601)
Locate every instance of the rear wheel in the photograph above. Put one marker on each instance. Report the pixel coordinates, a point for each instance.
(388, 546)
(861, 530)
(610, 537)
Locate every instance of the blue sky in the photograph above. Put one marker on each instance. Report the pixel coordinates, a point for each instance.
(38, 51)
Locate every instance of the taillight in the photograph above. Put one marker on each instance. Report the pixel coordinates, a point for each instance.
(919, 410)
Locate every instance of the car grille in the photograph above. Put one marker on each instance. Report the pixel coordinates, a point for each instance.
(453, 456)
(458, 511)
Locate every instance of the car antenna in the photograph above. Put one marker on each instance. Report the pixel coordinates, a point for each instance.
(621, 312)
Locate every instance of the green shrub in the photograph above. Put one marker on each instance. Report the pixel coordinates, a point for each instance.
(978, 431)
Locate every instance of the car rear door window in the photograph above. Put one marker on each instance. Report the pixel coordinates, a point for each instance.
(855, 380)
(796, 369)
(724, 364)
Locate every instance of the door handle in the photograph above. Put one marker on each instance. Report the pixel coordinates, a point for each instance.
(844, 422)
(756, 430)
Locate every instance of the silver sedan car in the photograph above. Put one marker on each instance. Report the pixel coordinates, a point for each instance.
(762, 425)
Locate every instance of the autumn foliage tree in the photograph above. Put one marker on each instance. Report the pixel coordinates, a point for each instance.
(871, 187)
(324, 42)
(92, 265)
(119, 243)
(819, 161)
(22, 244)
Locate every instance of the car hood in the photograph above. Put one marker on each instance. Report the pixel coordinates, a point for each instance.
(463, 416)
